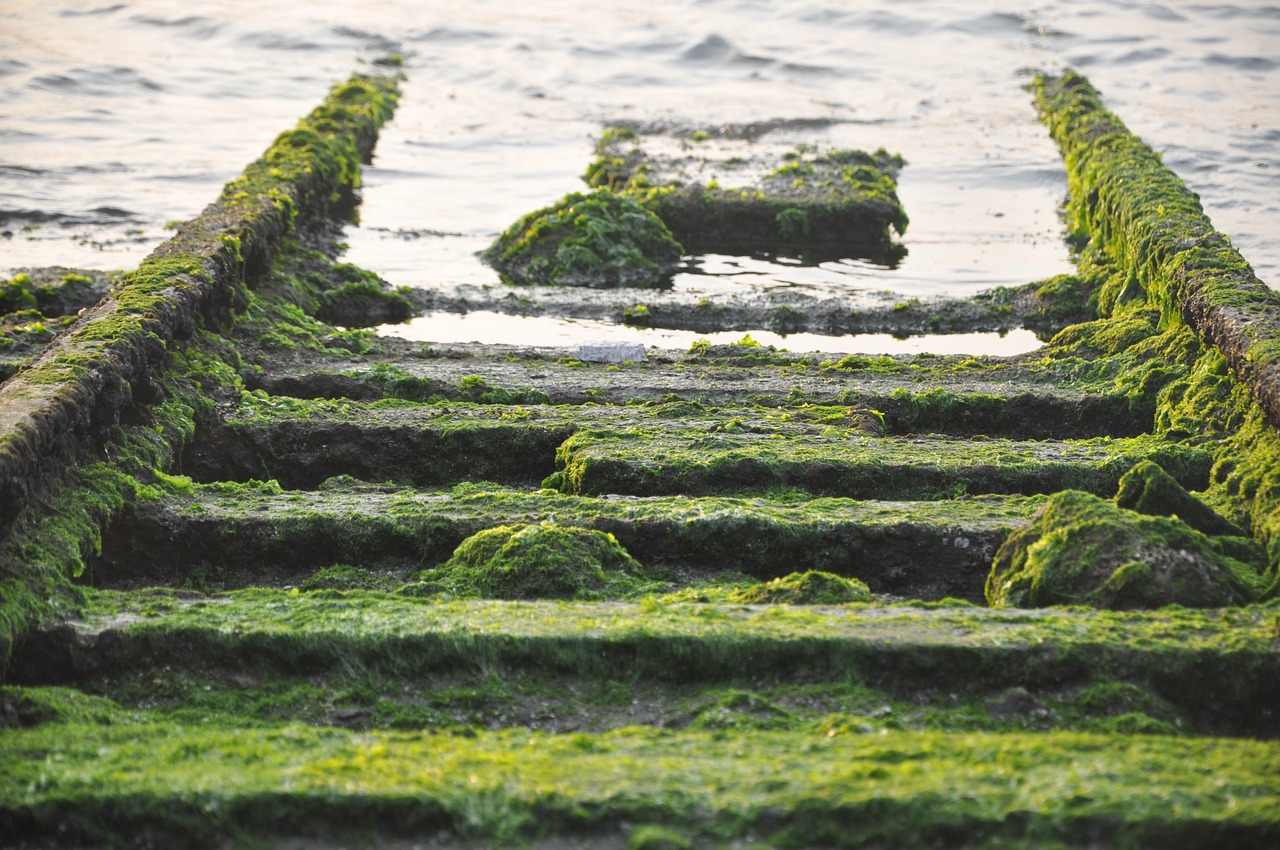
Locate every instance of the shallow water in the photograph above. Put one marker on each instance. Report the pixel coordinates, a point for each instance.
(121, 117)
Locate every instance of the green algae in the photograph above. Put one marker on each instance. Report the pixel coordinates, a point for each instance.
(830, 204)
(812, 587)
(724, 460)
(79, 783)
(931, 549)
(1148, 489)
(141, 416)
(347, 577)
(1218, 666)
(542, 561)
(27, 707)
(1161, 248)
(1084, 550)
(597, 239)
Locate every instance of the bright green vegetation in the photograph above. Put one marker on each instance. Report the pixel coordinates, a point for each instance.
(747, 656)
(1148, 489)
(934, 549)
(1150, 234)
(733, 459)
(811, 587)
(301, 442)
(787, 788)
(121, 356)
(836, 203)
(597, 239)
(1084, 550)
(1216, 666)
(542, 561)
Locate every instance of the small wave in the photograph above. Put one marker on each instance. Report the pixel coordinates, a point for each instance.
(11, 66)
(1243, 63)
(713, 48)
(97, 81)
(891, 22)
(1162, 13)
(447, 34)
(197, 25)
(1134, 57)
(807, 70)
(375, 41)
(21, 170)
(995, 23)
(97, 215)
(278, 41)
(82, 13)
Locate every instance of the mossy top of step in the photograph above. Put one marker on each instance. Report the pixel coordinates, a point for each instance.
(736, 457)
(225, 534)
(1152, 231)
(637, 788)
(1033, 398)
(1214, 663)
(732, 196)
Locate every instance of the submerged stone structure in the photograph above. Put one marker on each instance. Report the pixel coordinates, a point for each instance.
(268, 580)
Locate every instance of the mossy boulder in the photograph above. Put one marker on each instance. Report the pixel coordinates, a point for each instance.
(535, 562)
(598, 239)
(1148, 489)
(808, 588)
(1083, 550)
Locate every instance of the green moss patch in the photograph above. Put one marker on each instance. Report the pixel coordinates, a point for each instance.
(1148, 489)
(542, 561)
(76, 784)
(921, 549)
(1084, 550)
(1151, 229)
(596, 239)
(821, 204)
(738, 457)
(811, 587)
(1217, 666)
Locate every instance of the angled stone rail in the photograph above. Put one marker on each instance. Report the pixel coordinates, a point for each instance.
(59, 408)
(1160, 244)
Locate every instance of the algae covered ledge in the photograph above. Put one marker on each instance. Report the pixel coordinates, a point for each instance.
(267, 579)
(82, 399)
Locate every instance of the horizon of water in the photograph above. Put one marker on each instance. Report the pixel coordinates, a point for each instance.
(119, 118)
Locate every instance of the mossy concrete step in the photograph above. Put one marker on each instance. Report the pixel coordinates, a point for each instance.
(254, 534)
(1016, 397)
(653, 462)
(821, 204)
(751, 309)
(486, 698)
(79, 784)
(1221, 668)
(300, 443)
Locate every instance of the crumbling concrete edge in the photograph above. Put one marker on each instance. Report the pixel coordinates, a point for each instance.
(1151, 227)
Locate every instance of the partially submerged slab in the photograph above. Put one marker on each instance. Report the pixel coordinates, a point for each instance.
(733, 197)
(597, 239)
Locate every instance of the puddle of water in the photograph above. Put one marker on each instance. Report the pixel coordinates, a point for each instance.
(495, 328)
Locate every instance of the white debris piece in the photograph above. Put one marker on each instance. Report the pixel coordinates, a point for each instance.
(610, 352)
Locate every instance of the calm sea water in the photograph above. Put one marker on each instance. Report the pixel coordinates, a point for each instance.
(118, 118)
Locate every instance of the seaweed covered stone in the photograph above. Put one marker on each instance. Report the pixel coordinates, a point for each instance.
(599, 239)
(812, 587)
(1084, 550)
(736, 195)
(1148, 489)
(540, 561)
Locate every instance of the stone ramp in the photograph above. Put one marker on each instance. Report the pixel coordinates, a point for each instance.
(236, 605)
